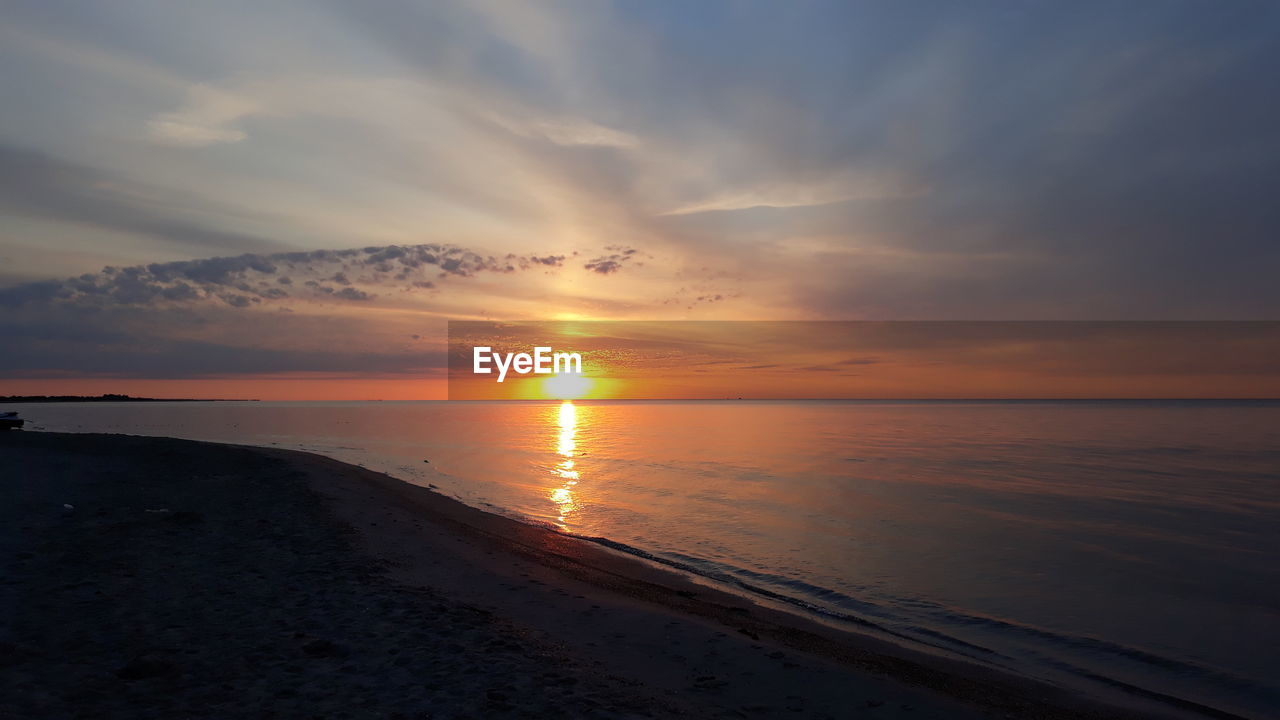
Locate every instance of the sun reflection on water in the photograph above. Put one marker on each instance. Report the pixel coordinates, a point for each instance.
(564, 470)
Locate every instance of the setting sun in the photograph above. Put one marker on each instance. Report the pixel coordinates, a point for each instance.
(566, 386)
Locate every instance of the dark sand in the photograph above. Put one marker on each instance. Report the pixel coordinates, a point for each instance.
(194, 580)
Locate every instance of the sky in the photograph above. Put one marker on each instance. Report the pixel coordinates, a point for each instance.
(290, 200)
(876, 360)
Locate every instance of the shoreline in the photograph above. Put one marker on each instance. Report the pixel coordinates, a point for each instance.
(650, 626)
(595, 561)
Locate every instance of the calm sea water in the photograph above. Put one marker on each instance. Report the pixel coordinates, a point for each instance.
(1097, 543)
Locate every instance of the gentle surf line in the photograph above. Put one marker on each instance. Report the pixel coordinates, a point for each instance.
(952, 643)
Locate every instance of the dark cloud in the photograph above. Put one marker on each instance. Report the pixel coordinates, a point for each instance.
(350, 293)
(611, 262)
(35, 292)
(133, 320)
(179, 291)
(603, 265)
(243, 280)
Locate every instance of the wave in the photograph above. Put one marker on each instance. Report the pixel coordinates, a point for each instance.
(1047, 647)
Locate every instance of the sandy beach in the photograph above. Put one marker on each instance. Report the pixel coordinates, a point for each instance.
(154, 577)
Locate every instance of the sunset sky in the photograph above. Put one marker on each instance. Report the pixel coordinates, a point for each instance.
(291, 200)
(628, 360)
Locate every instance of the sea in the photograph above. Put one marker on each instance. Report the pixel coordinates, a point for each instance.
(1125, 548)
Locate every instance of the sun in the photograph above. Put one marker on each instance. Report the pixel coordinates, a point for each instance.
(566, 386)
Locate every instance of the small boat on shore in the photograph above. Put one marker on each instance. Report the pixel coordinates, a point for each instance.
(10, 420)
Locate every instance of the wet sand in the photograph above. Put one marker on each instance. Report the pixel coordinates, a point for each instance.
(200, 580)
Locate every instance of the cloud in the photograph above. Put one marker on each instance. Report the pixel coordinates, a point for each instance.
(353, 294)
(612, 262)
(838, 160)
(36, 184)
(222, 315)
(584, 132)
(565, 131)
(550, 260)
(171, 131)
(243, 280)
(209, 117)
(800, 194)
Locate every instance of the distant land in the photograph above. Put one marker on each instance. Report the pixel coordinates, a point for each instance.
(110, 397)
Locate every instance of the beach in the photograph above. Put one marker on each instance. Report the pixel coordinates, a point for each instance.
(157, 577)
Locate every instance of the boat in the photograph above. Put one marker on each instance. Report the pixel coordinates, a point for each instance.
(10, 420)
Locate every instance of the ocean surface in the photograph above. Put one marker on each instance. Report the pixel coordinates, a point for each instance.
(1116, 546)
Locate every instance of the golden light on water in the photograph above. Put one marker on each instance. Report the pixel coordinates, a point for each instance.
(564, 470)
(568, 429)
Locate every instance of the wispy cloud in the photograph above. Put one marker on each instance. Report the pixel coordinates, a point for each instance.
(782, 194)
(209, 117)
(33, 183)
(567, 131)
